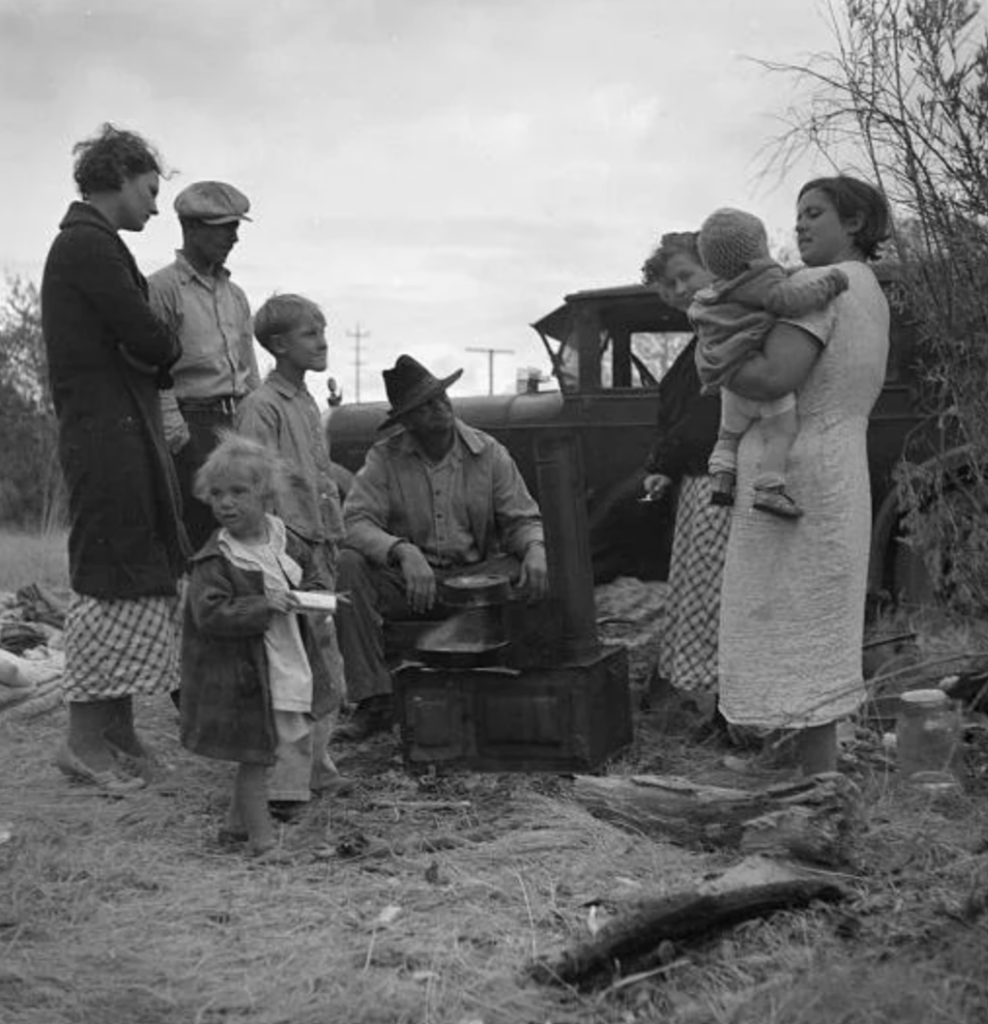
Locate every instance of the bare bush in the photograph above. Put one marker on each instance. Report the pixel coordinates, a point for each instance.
(30, 480)
(903, 98)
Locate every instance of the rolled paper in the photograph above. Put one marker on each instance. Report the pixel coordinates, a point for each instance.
(316, 601)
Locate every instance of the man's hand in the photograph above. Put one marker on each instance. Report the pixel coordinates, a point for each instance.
(178, 439)
(534, 576)
(420, 580)
(656, 486)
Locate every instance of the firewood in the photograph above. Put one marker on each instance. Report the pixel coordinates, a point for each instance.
(686, 917)
(810, 820)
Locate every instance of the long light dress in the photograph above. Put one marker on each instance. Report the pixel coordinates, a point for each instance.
(792, 604)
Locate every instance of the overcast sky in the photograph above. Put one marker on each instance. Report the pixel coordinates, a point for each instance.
(440, 172)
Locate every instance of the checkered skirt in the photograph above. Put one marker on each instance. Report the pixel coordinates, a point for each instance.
(688, 649)
(120, 648)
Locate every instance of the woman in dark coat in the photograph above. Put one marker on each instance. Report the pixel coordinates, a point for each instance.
(687, 429)
(107, 357)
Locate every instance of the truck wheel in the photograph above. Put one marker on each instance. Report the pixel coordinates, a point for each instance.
(949, 568)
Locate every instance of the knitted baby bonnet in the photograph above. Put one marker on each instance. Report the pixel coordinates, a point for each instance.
(730, 240)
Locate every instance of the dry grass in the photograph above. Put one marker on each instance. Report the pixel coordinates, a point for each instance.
(129, 912)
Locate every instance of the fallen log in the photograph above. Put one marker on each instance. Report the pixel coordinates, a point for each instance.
(810, 819)
(756, 888)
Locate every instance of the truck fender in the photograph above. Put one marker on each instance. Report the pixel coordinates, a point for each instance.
(885, 527)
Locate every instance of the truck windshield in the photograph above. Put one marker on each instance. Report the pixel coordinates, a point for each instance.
(648, 357)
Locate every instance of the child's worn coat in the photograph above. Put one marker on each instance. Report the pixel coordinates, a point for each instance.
(226, 697)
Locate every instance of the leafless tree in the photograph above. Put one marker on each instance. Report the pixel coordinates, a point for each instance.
(902, 97)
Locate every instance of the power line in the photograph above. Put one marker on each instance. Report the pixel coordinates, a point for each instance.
(358, 335)
(491, 353)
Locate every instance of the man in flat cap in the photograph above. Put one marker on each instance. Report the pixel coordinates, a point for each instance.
(433, 499)
(211, 316)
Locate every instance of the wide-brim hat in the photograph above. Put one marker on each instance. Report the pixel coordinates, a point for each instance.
(409, 384)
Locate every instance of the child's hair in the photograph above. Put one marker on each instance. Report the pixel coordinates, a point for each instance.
(280, 314)
(672, 243)
(730, 240)
(104, 162)
(264, 466)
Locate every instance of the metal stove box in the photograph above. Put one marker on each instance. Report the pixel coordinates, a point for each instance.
(568, 718)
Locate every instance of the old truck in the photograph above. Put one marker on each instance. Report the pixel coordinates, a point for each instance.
(598, 343)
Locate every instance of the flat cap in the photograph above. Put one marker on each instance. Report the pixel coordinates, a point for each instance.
(212, 202)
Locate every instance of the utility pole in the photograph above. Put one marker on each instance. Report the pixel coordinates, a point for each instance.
(358, 336)
(491, 353)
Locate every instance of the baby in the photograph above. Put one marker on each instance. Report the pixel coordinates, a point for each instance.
(733, 317)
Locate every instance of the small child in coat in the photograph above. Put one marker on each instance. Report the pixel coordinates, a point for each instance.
(253, 674)
(733, 316)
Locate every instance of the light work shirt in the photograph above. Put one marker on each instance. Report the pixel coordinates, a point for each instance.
(471, 506)
(211, 316)
(286, 419)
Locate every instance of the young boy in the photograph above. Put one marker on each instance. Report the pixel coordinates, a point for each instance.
(283, 415)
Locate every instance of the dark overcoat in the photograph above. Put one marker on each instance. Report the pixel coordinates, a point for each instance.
(108, 355)
(226, 694)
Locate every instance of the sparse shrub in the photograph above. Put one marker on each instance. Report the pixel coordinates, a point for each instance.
(903, 100)
(30, 480)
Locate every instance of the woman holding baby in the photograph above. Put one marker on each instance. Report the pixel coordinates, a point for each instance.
(792, 603)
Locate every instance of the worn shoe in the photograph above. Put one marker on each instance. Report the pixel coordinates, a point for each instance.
(73, 767)
(287, 811)
(147, 766)
(776, 502)
(722, 490)
(230, 837)
(334, 785)
(368, 719)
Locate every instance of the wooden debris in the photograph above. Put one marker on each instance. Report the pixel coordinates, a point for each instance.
(42, 604)
(756, 888)
(810, 819)
(18, 637)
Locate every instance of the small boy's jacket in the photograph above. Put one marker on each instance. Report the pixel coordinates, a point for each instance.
(226, 696)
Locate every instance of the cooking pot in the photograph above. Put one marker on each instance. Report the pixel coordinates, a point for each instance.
(473, 637)
(479, 590)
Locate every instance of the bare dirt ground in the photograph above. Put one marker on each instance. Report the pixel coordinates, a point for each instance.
(427, 899)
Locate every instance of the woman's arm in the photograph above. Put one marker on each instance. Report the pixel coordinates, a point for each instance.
(782, 365)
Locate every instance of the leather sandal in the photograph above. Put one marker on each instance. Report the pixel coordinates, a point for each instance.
(776, 502)
(74, 768)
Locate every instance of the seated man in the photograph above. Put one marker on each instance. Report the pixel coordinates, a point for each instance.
(431, 499)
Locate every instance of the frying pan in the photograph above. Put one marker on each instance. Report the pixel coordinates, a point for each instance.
(462, 655)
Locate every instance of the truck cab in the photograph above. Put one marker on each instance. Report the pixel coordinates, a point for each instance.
(608, 349)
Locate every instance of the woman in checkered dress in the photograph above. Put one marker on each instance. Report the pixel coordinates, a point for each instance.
(687, 430)
(108, 355)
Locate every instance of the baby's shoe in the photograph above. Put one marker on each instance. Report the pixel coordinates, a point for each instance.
(776, 502)
(722, 490)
